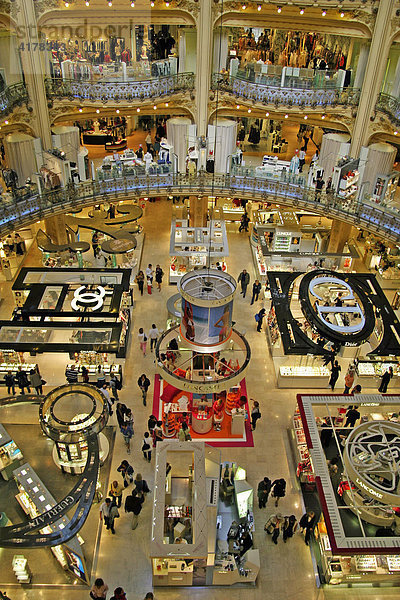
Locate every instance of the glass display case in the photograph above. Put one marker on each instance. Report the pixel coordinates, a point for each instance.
(10, 454)
(370, 371)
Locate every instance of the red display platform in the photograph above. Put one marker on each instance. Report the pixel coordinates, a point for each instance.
(222, 438)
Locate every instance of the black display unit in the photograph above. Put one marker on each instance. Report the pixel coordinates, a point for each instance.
(67, 310)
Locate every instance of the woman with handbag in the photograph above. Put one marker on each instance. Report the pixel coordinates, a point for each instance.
(99, 590)
(274, 526)
(36, 380)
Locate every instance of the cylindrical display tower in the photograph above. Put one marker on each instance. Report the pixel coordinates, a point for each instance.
(66, 138)
(222, 137)
(333, 147)
(376, 160)
(207, 302)
(20, 152)
(178, 138)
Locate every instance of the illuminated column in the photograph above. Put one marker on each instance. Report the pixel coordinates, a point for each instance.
(198, 211)
(204, 52)
(56, 229)
(339, 235)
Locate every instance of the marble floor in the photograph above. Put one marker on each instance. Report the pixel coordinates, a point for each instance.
(286, 569)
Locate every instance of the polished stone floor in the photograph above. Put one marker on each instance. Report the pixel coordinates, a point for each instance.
(286, 569)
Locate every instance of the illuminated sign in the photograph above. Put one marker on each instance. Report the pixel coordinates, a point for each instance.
(84, 298)
(368, 489)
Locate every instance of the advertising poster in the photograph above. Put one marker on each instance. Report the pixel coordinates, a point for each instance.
(206, 325)
(75, 564)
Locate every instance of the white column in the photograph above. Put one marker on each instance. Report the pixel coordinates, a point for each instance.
(204, 50)
(375, 72)
(395, 92)
(220, 51)
(32, 63)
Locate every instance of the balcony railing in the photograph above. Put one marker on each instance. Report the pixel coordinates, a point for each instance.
(266, 94)
(128, 91)
(390, 106)
(12, 96)
(28, 209)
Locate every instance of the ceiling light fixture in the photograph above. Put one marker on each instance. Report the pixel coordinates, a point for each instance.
(279, 9)
(138, 110)
(110, 4)
(342, 14)
(286, 116)
(133, 4)
(302, 11)
(324, 13)
(237, 106)
(66, 4)
(267, 114)
(396, 132)
(97, 111)
(155, 107)
(80, 109)
(5, 122)
(249, 111)
(87, 3)
(117, 111)
(323, 117)
(305, 116)
(244, 6)
(166, 104)
(259, 7)
(152, 4)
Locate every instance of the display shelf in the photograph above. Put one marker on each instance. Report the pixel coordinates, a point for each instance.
(10, 454)
(306, 371)
(303, 376)
(21, 568)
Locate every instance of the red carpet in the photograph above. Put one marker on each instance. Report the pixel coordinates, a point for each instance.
(219, 439)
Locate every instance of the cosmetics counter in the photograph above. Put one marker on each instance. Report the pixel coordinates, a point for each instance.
(10, 454)
(35, 499)
(97, 364)
(10, 360)
(368, 504)
(192, 247)
(370, 371)
(204, 537)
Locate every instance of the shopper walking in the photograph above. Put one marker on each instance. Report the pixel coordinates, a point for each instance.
(349, 379)
(108, 513)
(290, 525)
(146, 447)
(85, 374)
(10, 382)
(133, 504)
(109, 400)
(263, 490)
(244, 222)
(278, 490)
(386, 377)
(120, 413)
(127, 429)
(159, 277)
(119, 594)
(142, 337)
(141, 484)
(149, 277)
(144, 384)
(244, 280)
(115, 493)
(99, 590)
(140, 281)
(22, 380)
(259, 318)
(274, 526)
(151, 423)
(153, 336)
(115, 385)
(352, 416)
(319, 184)
(334, 374)
(255, 414)
(36, 380)
(302, 159)
(71, 374)
(256, 291)
(157, 433)
(126, 471)
(307, 524)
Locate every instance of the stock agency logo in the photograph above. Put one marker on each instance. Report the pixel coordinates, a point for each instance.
(339, 307)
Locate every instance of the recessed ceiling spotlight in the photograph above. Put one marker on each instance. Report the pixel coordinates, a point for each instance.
(324, 13)
(342, 14)
(267, 114)
(302, 11)
(249, 111)
(279, 9)
(259, 7)
(286, 116)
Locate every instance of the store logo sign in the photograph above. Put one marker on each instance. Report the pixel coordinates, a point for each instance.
(368, 489)
(323, 311)
(93, 299)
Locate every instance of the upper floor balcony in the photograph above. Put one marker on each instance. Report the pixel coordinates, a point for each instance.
(116, 92)
(12, 96)
(390, 106)
(318, 90)
(26, 207)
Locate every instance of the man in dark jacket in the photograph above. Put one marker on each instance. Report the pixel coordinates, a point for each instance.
(263, 490)
(21, 378)
(133, 504)
(144, 384)
(244, 280)
(256, 291)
